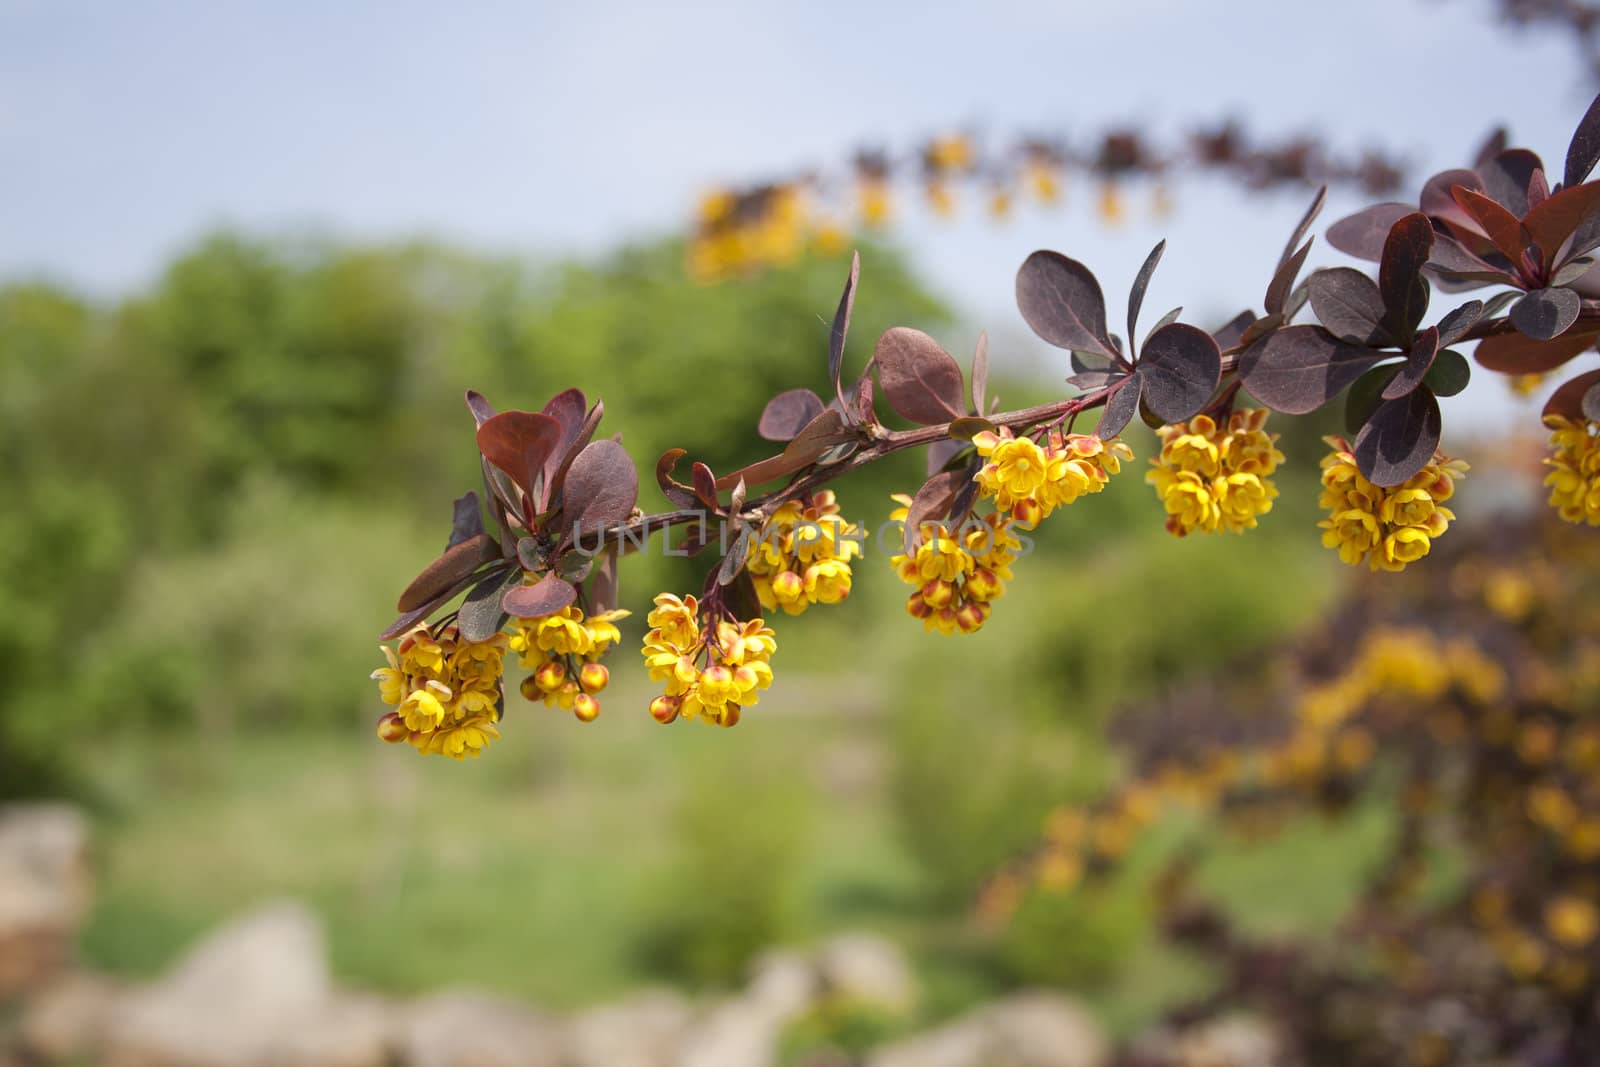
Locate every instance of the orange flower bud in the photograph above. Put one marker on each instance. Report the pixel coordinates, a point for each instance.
(593, 677)
(550, 676)
(918, 608)
(937, 593)
(1027, 512)
(983, 585)
(585, 707)
(664, 709)
(392, 728)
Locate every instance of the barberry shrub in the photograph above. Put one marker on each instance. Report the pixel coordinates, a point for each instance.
(534, 562)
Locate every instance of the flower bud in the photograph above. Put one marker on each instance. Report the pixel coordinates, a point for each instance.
(593, 677)
(788, 587)
(983, 585)
(664, 709)
(585, 707)
(550, 676)
(1027, 512)
(937, 593)
(530, 689)
(918, 608)
(392, 728)
(970, 616)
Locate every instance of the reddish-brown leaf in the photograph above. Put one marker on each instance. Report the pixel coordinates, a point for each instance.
(545, 597)
(456, 563)
(601, 487)
(1512, 353)
(921, 381)
(519, 442)
(1567, 401)
(787, 414)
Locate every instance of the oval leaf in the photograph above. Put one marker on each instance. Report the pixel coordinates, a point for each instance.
(1449, 374)
(1120, 407)
(1512, 353)
(545, 597)
(457, 562)
(1061, 301)
(819, 435)
(1365, 395)
(481, 617)
(519, 442)
(921, 381)
(1298, 369)
(1363, 234)
(1418, 361)
(1399, 439)
(601, 487)
(1454, 326)
(1349, 305)
(481, 409)
(787, 414)
(1181, 366)
(1546, 314)
(1283, 279)
(1568, 401)
(1405, 294)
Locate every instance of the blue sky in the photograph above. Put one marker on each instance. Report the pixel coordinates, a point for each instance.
(127, 129)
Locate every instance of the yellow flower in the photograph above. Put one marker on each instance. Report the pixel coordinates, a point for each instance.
(1574, 463)
(564, 633)
(423, 709)
(1572, 921)
(1015, 470)
(675, 621)
(603, 632)
(460, 740)
(827, 581)
(801, 555)
(1212, 478)
(391, 679)
(1386, 527)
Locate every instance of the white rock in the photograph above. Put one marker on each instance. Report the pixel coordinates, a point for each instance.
(463, 1029)
(1022, 1030)
(869, 968)
(232, 1001)
(645, 1030)
(67, 1019)
(45, 891)
(351, 1030)
(783, 984)
(736, 1033)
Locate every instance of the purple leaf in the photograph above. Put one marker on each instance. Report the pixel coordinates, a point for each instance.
(1418, 361)
(481, 617)
(942, 452)
(1141, 282)
(1405, 294)
(980, 372)
(1317, 202)
(1584, 151)
(787, 414)
(1570, 399)
(1512, 353)
(1061, 301)
(932, 502)
(1399, 439)
(1233, 330)
(1545, 314)
(921, 381)
(1454, 326)
(1363, 234)
(467, 522)
(1180, 366)
(602, 487)
(1298, 369)
(1509, 177)
(841, 326)
(481, 410)
(545, 597)
(1438, 195)
(457, 562)
(1120, 407)
(1558, 218)
(675, 491)
(1348, 305)
(819, 435)
(1283, 279)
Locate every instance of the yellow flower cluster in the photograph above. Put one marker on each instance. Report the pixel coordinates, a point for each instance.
(563, 650)
(445, 691)
(1574, 463)
(1387, 527)
(765, 227)
(802, 555)
(959, 574)
(712, 670)
(1031, 480)
(1212, 477)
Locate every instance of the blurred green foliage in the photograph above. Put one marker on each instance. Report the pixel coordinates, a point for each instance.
(219, 484)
